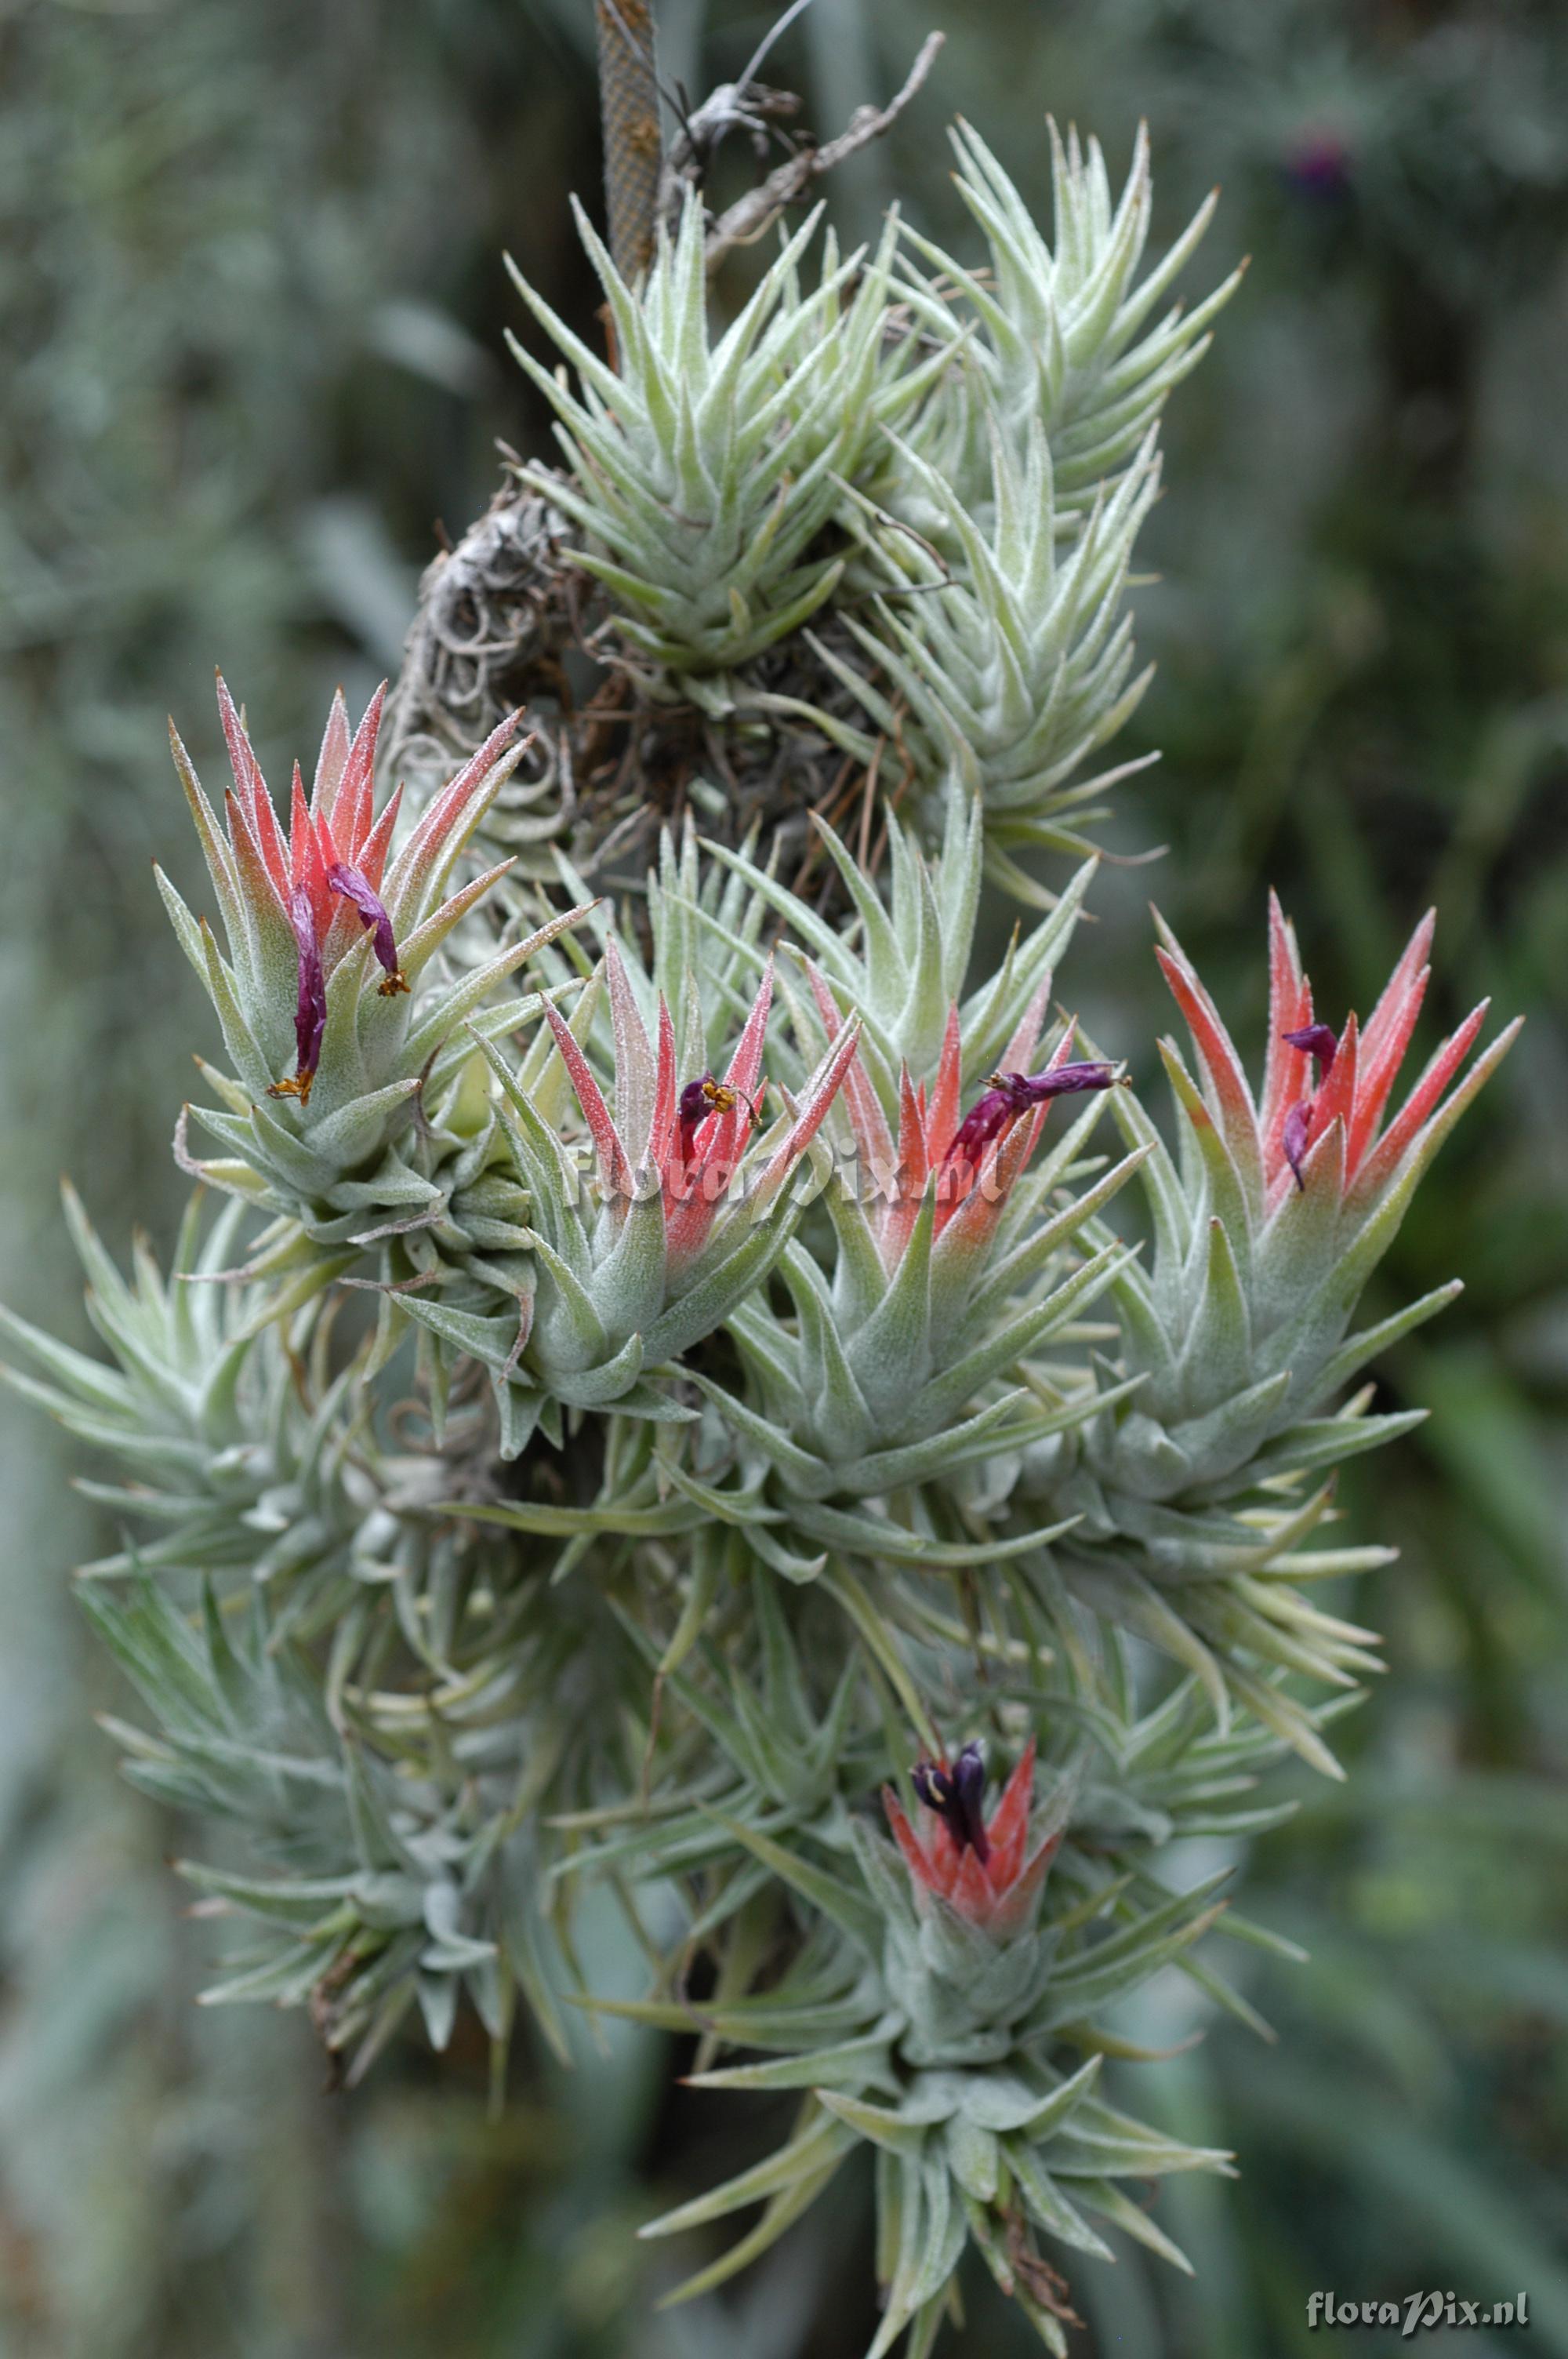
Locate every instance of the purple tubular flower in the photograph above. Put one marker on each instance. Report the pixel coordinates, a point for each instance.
(981, 1123)
(310, 1009)
(956, 1795)
(698, 1100)
(1296, 1134)
(692, 1111)
(1008, 1095)
(1315, 1040)
(355, 886)
(1321, 1041)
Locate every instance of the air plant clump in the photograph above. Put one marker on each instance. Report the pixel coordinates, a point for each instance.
(656, 1386)
(883, 518)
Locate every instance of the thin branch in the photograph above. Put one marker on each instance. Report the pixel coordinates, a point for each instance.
(774, 33)
(754, 213)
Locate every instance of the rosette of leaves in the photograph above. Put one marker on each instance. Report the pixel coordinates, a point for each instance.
(384, 1791)
(333, 936)
(706, 930)
(744, 1740)
(900, 965)
(901, 1363)
(926, 2018)
(1200, 1486)
(1015, 660)
(684, 1221)
(233, 1466)
(702, 469)
(1140, 1758)
(374, 1884)
(1055, 336)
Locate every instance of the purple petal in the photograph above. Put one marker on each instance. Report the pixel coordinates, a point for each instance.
(701, 1098)
(956, 1796)
(968, 1801)
(1315, 1040)
(357, 887)
(1063, 1080)
(310, 1008)
(692, 1110)
(1296, 1132)
(1013, 1094)
(981, 1123)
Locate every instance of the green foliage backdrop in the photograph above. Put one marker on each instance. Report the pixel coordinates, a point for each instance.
(251, 275)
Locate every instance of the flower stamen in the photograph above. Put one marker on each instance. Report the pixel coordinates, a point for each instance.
(707, 1097)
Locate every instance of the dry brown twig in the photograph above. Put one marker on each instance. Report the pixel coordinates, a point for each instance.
(749, 216)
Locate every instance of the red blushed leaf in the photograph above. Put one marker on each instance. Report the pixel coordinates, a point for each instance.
(914, 1147)
(873, 1140)
(942, 1114)
(941, 1850)
(251, 788)
(691, 1204)
(826, 1006)
(971, 1894)
(1019, 1054)
(1381, 1057)
(1391, 1015)
(897, 1215)
(1216, 1052)
(1014, 1909)
(1387, 1037)
(1336, 1098)
(1422, 1101)
(1009, 1827)
(373, 859)
(661, 1129)
(600, 1122)
(307, 864)
(256, 882)
(1289, 1010)
(915, 1859)
(810, 1119)
(350, 810)
(330, 762)
(746, 1065)
(717, 1149)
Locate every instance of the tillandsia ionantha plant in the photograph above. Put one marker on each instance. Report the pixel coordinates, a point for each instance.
(701, 1423)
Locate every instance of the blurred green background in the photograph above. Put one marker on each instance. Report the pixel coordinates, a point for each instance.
(250, 274)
